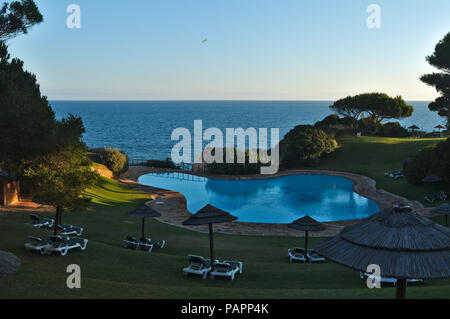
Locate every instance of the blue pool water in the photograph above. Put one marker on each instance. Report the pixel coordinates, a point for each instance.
(270, 200)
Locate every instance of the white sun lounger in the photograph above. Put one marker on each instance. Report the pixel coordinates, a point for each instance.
(67, 230)
(62, 245)
(137, 244)
(297, 254)
(38, 222)
(198, 266)
(154, 242)
(226, 269)
(313, 256)
(386, 279)
(39, 244)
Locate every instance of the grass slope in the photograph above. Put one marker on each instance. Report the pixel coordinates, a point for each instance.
(373, 156)
(110, 271)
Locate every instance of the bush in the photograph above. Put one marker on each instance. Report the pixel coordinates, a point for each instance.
(392, 129)
(419, 165)
(305, 145)
(112, 158)
(167, 163)
(236, 168)
(333, 125)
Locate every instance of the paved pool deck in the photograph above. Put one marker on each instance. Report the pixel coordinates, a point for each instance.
(172, 205)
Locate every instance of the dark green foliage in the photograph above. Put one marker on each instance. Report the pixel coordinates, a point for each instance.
(112, 158)
(378, 106)
(419, 165)
(167, 163)
(304, 145)
(28, 127)
(236, 168)
(433, 160)
(441, 81)
(17, 17)
(392, 129)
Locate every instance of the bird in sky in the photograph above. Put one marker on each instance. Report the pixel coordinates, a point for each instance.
(204, 41)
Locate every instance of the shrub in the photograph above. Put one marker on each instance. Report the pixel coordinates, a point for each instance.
(333, 125)
(304, 145)
(236, 168)
(167, 163)
(419, 165)
(392, 129)
(112, 158)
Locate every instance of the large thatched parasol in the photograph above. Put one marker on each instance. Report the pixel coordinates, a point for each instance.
(443, 209)
(209, 215)
(404, 244)
(306, 224)
(9, 263)
(143, 212)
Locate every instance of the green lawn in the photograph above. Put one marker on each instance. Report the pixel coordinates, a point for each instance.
(110, 271)
(373, 156)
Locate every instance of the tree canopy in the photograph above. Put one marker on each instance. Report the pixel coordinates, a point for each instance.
(304, 145)
(441, 80)
(18, 17)
(379, 107)
(27, 125)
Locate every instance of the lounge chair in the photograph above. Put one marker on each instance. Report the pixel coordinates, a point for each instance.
(38, 222)
(198, 266)
(38, 244)
(313, 256)
(62, 244)
(138, 244)
(297, 254)
(388, 280)
(66, 230)
(226, 269)
(394, 174)
(441, 196)
(154, 242)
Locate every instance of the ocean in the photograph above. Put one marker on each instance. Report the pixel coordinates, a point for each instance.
(142, 129)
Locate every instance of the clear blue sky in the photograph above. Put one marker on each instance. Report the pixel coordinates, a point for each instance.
(255, 49)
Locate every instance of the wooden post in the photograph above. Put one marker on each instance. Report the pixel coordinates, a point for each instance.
(306, 241)
(58, 218)
(143, 223)
(400, 289)
(211, 246)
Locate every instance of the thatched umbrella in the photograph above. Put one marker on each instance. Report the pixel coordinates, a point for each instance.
(9, 263)
(403, 243)
(443, 209)
(413, 128)
(439, 127)
(432, 179)
(209, 215)
(306, 224)
(143, 212)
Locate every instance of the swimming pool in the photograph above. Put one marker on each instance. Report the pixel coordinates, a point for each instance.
(270, 200)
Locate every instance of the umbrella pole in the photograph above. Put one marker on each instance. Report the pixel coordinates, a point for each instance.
(143, 223)
(400, 289)
(211, 246)
(306, 241)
